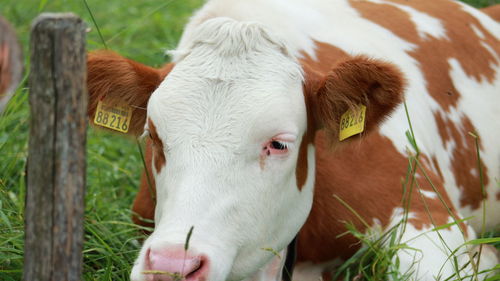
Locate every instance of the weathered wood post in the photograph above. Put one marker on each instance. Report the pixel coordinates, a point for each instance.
(56, 160)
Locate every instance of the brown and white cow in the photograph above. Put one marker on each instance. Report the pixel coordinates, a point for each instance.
(244, 129)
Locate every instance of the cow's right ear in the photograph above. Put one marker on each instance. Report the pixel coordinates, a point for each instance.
(351, 84)
(119, 80)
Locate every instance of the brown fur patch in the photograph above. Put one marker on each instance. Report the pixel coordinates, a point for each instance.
(367, 175)
(302, 165)
(438, 169)
(121, 80)
(144, 204)
(462, 44)
(464, 160)
(326, 57)
(158, 149)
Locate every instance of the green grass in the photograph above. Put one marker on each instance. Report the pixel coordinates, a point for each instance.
(481, 3)
(140, 30)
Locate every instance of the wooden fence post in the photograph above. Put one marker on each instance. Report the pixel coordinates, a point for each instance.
(56, 160)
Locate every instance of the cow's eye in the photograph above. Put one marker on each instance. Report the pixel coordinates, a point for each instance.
(278, 145)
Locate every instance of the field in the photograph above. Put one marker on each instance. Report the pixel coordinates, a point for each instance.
(141, 30)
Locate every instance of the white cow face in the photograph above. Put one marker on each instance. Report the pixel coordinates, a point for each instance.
(230, 117)
(228, 125)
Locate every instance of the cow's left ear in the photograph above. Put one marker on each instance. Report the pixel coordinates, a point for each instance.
(118, 80)
(352, 82)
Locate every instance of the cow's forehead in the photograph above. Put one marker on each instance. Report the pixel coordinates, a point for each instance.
(225, 49)
(221, 89)
(227, 111)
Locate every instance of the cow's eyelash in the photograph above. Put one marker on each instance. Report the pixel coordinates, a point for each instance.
(280, 145)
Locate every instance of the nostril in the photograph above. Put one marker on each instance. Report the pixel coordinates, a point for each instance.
(198, 270)
(189, 266)
(192, 272)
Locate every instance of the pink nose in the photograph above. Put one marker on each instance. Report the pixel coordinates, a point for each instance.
(175, 264)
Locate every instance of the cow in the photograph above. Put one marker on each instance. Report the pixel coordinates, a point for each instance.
(244, 127)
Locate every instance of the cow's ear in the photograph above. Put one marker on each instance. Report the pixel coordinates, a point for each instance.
(353, 82)
(118, 80)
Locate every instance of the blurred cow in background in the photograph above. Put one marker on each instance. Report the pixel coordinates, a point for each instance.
(11, 63)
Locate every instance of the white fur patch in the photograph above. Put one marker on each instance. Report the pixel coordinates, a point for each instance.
(308, 271)
(478, 32)
(429, 194)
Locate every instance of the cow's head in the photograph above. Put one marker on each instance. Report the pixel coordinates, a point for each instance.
(232, 126)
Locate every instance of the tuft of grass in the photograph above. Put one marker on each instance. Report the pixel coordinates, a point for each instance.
(175, 276)
(377, 259)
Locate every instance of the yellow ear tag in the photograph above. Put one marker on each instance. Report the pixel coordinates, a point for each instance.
(114, 117)
(352, 123)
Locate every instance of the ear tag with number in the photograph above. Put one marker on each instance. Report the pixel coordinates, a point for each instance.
(114, 117)
(352, 123)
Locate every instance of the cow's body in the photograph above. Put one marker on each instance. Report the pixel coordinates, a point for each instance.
(450, 56)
